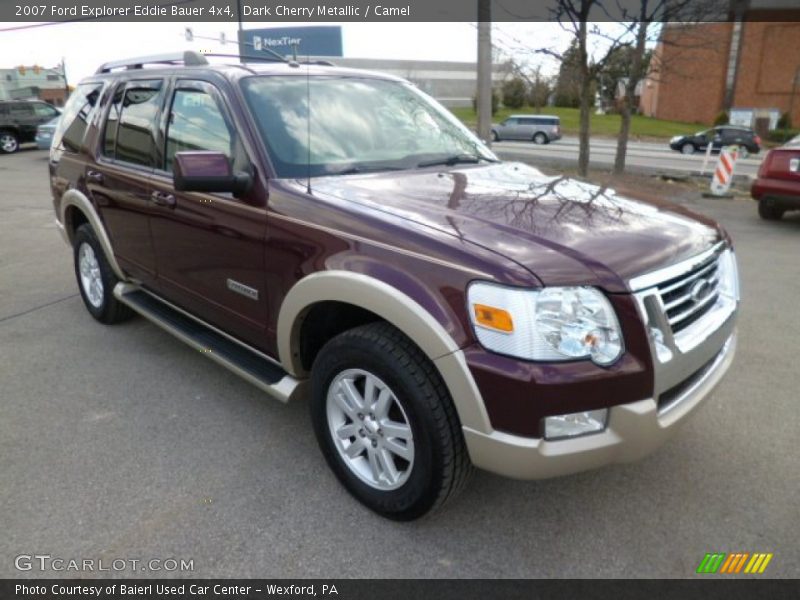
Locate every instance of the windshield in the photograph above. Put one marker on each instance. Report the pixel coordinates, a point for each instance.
(357, 125)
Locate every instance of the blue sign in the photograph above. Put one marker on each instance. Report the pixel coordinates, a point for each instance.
(310, 41)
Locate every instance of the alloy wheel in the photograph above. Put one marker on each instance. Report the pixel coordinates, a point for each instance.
(370, 429)
(91, 278)
(8, 143)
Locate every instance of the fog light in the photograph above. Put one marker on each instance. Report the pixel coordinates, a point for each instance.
(574, 424)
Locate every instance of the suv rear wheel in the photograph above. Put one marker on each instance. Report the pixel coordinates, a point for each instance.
(8, 142)
(386, 424)
(96, 279)
(768, 210)
(540, 138)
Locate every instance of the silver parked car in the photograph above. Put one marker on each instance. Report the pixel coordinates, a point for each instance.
(541, 129)
(44, 134)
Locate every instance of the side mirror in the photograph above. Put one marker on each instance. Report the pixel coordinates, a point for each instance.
(201, 171)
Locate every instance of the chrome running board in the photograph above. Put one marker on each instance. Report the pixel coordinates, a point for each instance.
(247, 362)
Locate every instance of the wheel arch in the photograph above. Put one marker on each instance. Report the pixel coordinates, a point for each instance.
(389, 304)
(75, 210)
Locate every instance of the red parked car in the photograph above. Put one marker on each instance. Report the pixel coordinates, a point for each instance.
(777, 187)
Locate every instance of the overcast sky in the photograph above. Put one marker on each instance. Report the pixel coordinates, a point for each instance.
(86, 45)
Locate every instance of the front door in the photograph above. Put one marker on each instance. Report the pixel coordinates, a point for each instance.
(209, 246)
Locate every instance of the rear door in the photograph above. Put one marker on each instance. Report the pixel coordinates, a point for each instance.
(732, 136)
(23, 118)
(210, 246)
(120, 179)
(528, 128)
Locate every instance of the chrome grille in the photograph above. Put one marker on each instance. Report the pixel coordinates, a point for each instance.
(688, 297)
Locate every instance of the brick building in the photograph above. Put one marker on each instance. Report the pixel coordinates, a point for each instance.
(749, 67)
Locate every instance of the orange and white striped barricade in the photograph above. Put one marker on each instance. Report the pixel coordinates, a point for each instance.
(723, 173)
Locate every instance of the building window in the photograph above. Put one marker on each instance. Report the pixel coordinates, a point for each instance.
(53, 78)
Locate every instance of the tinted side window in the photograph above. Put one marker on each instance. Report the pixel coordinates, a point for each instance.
(136, 132)
(20, 111)
(3, 110)
(45, 110)
(77, 116)
(196, 122)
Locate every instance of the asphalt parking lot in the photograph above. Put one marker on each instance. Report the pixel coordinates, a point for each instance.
(123, 443)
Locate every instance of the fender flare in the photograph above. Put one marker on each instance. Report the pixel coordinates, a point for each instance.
(77, 199)
(396, 308)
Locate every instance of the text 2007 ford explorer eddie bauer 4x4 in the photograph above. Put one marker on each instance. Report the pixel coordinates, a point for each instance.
(438, 308)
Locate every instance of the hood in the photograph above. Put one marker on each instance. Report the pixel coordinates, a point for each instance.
(564, 231)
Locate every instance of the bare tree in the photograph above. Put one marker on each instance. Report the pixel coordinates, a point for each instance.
(573, 15)
(684, 14)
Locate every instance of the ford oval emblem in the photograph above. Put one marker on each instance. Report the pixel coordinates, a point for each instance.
(700, 289)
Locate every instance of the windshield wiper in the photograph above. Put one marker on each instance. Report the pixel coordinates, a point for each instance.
(455, 159)
(363, 169)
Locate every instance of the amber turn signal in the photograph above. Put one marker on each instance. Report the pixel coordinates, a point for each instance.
(493, 318)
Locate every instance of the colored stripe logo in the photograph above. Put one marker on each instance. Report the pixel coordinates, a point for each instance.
(735, 562)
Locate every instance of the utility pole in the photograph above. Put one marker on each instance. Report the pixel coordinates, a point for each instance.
(484, 95)
(64, 74)
(241, 28)
(794, 92)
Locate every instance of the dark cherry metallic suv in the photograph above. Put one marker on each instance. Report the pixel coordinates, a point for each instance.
(336, 235)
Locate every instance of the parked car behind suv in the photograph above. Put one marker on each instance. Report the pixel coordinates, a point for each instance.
(725, 135)
(541, 129)
(777, 187)
(19, 120)
(336, 236)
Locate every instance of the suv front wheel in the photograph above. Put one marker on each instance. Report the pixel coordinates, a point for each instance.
(96, 279)
(386, 424)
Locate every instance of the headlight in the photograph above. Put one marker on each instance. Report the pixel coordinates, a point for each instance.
(728, 275)
(551, 324)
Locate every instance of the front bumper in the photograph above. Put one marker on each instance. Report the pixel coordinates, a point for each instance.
(634, 430)
(689, 359)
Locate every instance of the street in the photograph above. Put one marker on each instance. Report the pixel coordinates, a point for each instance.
(644, 156)
(123, 443)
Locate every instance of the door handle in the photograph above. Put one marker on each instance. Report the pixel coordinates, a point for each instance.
(94, 177)
(163, 199)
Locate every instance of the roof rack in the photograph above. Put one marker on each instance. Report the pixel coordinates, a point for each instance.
(188, 58)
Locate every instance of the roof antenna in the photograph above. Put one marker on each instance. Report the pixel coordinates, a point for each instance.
(308, 127)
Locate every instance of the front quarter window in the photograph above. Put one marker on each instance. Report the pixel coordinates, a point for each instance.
(356, 124)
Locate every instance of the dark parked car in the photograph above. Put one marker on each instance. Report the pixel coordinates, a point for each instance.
(777, 187)
(725, 135)
(337, 236)
(19, 120)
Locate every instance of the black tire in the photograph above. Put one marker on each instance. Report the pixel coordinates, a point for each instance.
(768, 211)
(688, 148)
(495, 137)
(540, 138)
(440, 465)
(9, 142)
(108, 309)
